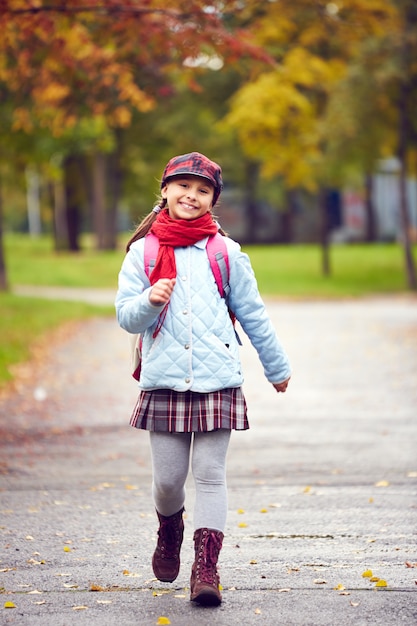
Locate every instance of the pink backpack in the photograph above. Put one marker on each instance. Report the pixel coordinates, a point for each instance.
(219, 262)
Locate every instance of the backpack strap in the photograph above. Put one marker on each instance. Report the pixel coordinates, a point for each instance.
(150, 252)
(219, 263)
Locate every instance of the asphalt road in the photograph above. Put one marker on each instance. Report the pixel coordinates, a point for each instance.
(322, 488)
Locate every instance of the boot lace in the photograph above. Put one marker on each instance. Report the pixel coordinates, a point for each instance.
(169, 539)
(207, 559)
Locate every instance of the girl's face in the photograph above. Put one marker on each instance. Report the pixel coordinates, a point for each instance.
(188, 197)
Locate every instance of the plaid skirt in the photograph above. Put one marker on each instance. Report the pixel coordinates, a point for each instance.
(164, 410)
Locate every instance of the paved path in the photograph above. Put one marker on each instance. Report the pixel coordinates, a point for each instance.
(321, 488)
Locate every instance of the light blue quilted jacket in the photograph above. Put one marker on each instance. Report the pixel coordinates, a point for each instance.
(197, 348)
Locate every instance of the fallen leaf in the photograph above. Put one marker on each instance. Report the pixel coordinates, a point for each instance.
(253, 562)
(382, 483)
(263, 511)
(67, 549)
(242, 525)
(94, 587)
(307, 489)
(381, 583)
(40, 602)
(344, 593)
(374, 579)
(163, 620)
(320, 581)
(258, 612)
(367, 573)
(283, 590)
(79, 608)
(339, 587)
(34, 592)
(354, 603)
(104, 601)
(9, 605)
(240, 511)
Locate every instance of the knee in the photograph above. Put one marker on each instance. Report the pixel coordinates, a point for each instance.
(208, 472)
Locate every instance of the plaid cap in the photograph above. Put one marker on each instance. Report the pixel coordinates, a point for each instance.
(198, 165)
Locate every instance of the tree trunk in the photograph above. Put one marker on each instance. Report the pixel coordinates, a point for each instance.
(3, 272)
(99, 199)
(404, 132)
(33, 202)
(72, 202)
(57, 194)
(115, 189)
(370, 234)
(252, 173)
(287, 216)
(324, 232)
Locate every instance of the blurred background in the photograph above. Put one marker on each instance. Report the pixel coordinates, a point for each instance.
(309, 106)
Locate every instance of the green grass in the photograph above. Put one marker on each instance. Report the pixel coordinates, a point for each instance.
(282, 271)
(356, 270)
(25, 322)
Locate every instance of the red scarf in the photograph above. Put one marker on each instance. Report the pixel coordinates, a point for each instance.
(173, 233)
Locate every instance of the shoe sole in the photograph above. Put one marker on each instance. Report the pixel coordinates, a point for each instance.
(207, 598)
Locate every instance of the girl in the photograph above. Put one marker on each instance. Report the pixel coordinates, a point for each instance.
(190, 380)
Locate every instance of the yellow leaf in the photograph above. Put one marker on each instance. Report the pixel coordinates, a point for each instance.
(95, 587)
(264, 511)
(339, 587)
(126, 572)
(374, 579)
(67, 549)
(163, 620)
(242, 525)
(367, 573)
(240, 511)
(307, 489)
(9, 605)
(382, 483)
(381, 583)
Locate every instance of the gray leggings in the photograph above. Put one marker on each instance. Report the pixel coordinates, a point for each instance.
(170, 463)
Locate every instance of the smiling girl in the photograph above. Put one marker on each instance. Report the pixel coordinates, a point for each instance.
(191, 378)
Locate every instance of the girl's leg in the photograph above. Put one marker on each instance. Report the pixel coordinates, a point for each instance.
(170, 464)
(209, 471)
(170, 460)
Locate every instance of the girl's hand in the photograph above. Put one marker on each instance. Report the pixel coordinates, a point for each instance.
(281, 387)
(161, 291)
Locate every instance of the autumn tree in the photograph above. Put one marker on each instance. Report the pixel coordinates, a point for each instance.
(279, 114)
(85, 70)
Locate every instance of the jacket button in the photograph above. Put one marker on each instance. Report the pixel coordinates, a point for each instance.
(185, 312)
(188, 380)
(187, 347)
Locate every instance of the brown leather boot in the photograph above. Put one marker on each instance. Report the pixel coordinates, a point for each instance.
(166, 558)
(205, 581)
